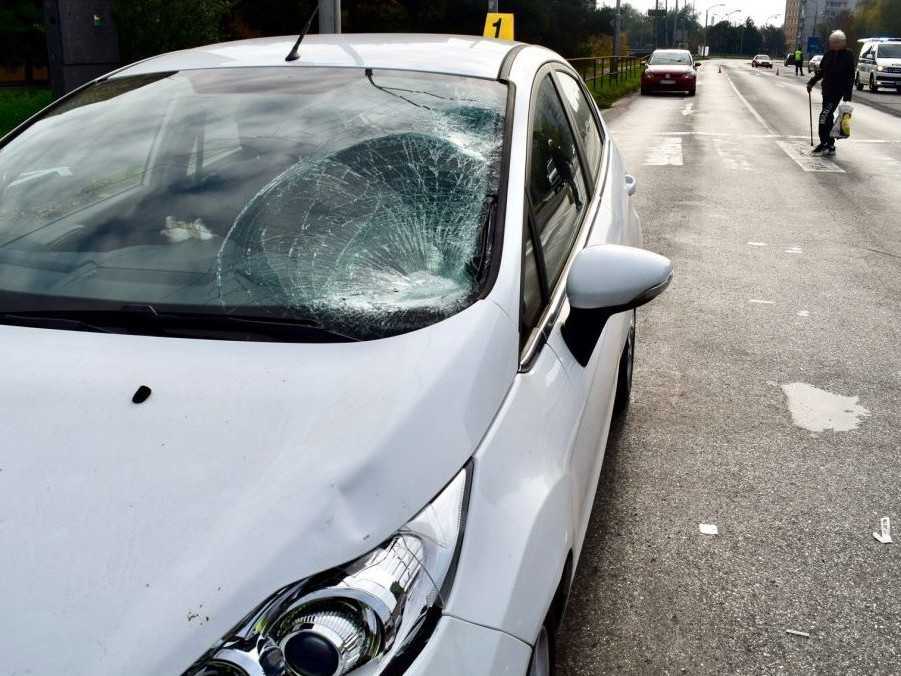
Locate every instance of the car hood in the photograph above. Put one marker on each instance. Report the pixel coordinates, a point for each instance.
(670, 69)
(134, 536)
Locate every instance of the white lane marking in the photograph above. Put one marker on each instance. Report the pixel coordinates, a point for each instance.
(816, 410)
(802, 157)
(689, 109)
(667, 153)
(756, 243)
(731, 153)
(753, 112)
(803, 313)
(794, 250)
(762, 302)
(744, 137)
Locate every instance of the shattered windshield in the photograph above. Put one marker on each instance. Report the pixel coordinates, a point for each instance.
(360, 200)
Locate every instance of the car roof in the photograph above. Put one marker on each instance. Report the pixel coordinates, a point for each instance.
(453, 54)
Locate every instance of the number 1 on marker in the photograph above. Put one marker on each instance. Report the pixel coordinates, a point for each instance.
(499, 26)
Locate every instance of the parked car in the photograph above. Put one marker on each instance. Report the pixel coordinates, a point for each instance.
(879, 64)
(813, 66)
(288, 388)
(762, 61)
(670, 70)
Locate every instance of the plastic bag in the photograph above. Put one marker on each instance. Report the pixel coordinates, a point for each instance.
(842, 126)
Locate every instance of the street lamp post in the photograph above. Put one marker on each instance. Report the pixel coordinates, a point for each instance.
(706, 17)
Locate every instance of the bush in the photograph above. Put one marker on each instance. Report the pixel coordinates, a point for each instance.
(150, 27)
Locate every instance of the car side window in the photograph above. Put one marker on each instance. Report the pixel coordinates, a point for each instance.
(586, 123)
(557, 187)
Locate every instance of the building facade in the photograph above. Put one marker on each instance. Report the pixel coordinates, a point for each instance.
(812, 18)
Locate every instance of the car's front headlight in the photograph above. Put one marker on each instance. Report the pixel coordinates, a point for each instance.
(880, 68)
(369, 617)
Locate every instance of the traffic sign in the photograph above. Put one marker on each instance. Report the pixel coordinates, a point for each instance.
(499, 26)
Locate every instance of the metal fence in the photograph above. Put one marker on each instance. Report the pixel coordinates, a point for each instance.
(602, 71)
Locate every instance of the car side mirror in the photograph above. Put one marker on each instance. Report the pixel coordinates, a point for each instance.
(604, 281)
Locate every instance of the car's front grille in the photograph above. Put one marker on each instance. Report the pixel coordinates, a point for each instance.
(892, 69)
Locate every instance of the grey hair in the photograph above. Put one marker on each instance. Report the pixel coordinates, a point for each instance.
(838, 35)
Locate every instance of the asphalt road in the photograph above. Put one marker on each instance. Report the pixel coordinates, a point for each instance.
(767, 398)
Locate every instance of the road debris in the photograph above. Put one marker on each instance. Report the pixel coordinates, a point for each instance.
(795, 632)
(885, 534)
(708, 529)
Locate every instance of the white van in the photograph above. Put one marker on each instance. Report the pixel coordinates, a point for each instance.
(879, 64)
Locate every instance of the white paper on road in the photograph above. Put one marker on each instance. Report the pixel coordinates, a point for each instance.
(885, 531)
(708, 529)
(795, 632)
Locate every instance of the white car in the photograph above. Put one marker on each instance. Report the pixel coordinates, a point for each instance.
(309, 366)
(879, 64)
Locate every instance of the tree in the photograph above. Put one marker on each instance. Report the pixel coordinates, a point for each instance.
(23, 40)
(149, 27)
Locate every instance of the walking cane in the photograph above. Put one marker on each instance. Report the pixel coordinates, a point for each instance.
(810, 100)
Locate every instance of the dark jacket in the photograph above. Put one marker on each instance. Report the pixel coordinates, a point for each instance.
(837, 73)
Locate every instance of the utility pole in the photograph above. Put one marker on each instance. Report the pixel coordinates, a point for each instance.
(676, 26)
(329, 16)
(656, 33)
(616, 28)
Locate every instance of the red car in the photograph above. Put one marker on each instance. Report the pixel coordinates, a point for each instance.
(670, 70)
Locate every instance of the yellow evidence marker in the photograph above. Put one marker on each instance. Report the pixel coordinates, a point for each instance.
(499, 26)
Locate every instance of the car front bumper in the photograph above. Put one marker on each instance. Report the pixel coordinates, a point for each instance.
(458, 647)
(678, 85)
(888, 79)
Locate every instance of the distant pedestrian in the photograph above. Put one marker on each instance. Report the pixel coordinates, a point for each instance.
(837, 73)
(799, 62)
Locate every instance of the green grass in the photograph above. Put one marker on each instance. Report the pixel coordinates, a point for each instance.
(19, 103)
(607, 92)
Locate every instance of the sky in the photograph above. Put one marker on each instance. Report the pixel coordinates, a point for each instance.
(758, 10)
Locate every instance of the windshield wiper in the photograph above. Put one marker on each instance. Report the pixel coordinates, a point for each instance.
(52, 321)
(146, 320)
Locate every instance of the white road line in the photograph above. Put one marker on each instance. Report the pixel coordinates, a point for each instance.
(667, 153)
(762, 302)
(810, 164)
(732, 155)
(753, 112)
(745, 137)
(756, 243)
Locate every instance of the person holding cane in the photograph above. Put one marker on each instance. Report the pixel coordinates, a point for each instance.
(837, 73)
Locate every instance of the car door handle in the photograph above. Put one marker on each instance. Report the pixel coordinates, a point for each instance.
(631, 185)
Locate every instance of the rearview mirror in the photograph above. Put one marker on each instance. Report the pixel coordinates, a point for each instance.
(604, 281)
